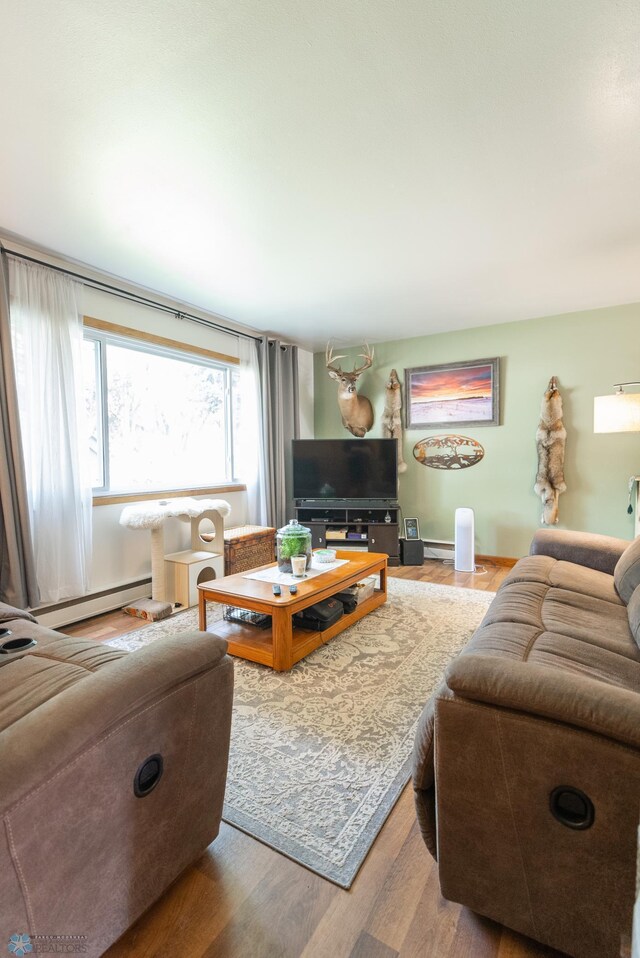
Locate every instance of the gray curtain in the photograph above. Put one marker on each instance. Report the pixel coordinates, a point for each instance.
(18, 585)
(280, 424)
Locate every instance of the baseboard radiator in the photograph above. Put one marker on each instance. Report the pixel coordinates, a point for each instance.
(438, 548)
(86, 606)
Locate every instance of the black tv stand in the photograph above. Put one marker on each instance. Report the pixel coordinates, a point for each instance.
(366, 524)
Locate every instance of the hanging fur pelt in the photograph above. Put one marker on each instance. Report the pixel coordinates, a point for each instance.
(392, 416)
(550, 440)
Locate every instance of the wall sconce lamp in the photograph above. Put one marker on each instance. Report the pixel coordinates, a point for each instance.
(617, 413)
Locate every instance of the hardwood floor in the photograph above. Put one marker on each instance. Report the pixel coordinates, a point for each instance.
(244, 900)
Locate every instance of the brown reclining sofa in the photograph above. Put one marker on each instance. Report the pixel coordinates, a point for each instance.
(527, 758)
(112, 775)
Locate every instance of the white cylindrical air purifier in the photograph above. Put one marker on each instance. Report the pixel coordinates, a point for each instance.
(464, 556)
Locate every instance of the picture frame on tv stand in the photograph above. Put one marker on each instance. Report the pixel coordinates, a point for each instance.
(411, 529)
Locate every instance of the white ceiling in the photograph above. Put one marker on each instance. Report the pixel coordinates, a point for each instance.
(349, 168)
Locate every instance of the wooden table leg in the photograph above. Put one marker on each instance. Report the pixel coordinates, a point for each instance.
(202, 611)
(282, 639)
(383, 580)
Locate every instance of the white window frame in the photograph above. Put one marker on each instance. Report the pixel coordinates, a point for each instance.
(104, 339)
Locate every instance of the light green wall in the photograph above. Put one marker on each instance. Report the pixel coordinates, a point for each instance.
(588, 352)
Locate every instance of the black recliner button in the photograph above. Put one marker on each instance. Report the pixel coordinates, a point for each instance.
(148, 775)
(571, 807)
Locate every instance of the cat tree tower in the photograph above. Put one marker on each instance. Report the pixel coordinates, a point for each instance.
(174, 577)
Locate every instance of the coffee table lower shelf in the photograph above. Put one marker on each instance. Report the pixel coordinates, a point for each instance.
(256, 645)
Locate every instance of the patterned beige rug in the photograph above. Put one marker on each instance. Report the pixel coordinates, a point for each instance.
(320, 755)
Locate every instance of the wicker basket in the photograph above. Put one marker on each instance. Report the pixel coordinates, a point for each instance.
(246, 617)
(247, 547)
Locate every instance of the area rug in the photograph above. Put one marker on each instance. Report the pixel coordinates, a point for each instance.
(320, 754)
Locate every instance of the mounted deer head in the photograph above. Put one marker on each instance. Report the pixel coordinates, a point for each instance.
(356, 411)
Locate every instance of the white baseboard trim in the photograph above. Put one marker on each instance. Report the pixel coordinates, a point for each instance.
(89, 605)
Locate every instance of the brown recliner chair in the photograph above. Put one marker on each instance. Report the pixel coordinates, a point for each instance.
(527, 758)
(112, 776)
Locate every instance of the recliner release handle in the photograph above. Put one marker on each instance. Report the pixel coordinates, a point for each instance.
(148, 775)
(571, 807)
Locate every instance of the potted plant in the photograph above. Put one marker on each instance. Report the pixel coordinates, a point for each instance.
(293, 540)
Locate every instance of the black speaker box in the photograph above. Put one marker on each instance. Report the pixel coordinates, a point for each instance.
(411, 551)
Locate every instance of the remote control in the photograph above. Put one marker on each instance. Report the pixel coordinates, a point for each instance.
(277, 590)
(293, 589)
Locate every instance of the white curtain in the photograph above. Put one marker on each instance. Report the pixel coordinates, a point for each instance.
(46, 326)
(249, 442)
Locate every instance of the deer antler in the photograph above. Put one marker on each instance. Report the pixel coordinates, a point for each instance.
(331, 359)
(368, 360)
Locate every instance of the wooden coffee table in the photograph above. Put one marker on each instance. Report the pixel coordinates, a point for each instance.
(283, 644)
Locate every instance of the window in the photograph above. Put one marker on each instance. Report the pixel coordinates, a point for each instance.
(158, 419)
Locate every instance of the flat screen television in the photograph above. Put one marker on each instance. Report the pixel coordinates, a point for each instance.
(345, 469)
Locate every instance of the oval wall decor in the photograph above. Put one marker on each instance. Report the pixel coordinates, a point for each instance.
(448, 452)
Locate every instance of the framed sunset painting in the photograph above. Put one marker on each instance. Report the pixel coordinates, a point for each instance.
(453, 394)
